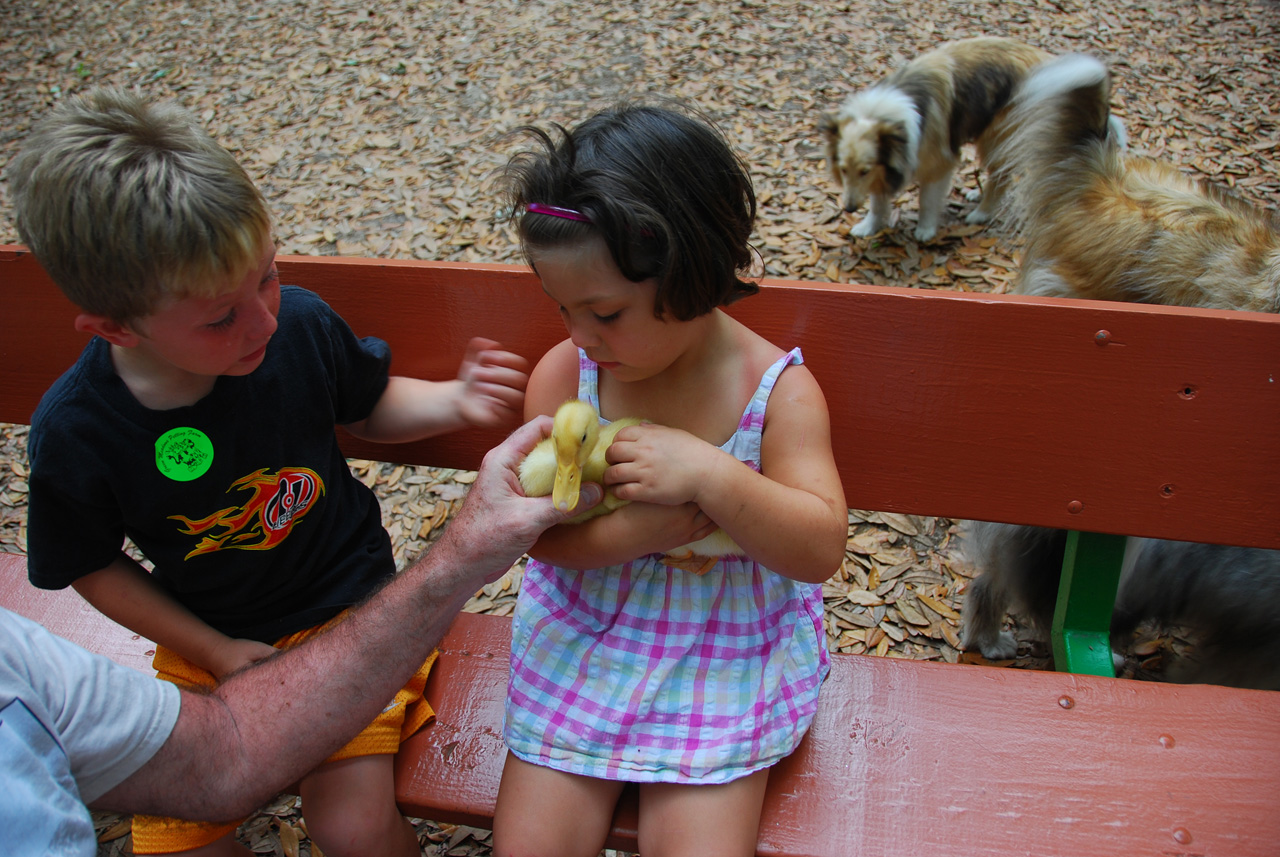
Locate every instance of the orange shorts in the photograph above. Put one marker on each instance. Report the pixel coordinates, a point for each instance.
(403, 716)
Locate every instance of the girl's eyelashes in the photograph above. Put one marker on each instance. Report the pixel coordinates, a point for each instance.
(604, 319)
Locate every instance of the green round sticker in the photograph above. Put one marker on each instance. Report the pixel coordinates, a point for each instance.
(184, 454)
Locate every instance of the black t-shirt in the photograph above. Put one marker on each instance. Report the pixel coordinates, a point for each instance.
(259, 528)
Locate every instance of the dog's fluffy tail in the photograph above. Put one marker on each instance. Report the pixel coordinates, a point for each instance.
(1058, 132)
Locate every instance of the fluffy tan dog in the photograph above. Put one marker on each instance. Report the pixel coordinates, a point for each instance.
(1103, 225)
(911, 125)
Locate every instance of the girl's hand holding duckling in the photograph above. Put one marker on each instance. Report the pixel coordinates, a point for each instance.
(658, 464)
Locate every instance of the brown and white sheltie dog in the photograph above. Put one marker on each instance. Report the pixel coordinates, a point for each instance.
(1103, 225)
(911, 125)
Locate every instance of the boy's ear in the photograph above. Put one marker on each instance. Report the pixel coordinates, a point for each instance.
(112, 331)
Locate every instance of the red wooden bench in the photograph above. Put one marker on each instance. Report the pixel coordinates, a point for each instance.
(1100, 418)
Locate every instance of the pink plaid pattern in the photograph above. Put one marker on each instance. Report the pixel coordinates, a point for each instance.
(646, 673)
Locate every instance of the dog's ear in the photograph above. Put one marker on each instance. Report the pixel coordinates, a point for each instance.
(894, 155)
(830, 128)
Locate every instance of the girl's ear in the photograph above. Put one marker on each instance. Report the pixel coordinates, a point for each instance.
(112, 331)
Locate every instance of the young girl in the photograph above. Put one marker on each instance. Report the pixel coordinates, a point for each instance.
(624, 669)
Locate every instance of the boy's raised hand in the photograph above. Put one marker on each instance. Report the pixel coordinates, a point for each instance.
(493, 383)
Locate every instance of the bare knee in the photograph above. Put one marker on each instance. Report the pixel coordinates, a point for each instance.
(546, 813)
(708, 821)
(351, 811)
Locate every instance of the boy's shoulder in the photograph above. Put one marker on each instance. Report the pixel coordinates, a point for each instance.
(75, 390)
(301, 305)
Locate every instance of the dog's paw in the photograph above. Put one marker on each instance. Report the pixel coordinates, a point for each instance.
(866, 228)
(978, 216)
(925, 233)
(973, 194)
(1003, 647)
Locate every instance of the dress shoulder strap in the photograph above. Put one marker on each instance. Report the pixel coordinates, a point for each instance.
(588, 375)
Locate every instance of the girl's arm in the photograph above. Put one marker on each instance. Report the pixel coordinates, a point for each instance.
(125, 592)
(624, 534)
(632, 531)
(489, 391)
(791, 517)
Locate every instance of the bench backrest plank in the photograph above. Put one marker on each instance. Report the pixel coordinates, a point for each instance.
(968, 406)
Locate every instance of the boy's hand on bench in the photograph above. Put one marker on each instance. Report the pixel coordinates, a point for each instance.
(237, 654)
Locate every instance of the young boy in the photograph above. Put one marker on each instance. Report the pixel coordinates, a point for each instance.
(199, 422)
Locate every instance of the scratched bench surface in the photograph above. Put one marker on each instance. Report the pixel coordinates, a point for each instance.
(71, 616)
(904, 758)
(1141, 420)
(909, 758)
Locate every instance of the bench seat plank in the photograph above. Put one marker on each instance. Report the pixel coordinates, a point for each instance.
(68, 615)
(904, 758)
(910, 758)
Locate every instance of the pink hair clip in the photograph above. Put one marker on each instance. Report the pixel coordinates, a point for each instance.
(557, 211)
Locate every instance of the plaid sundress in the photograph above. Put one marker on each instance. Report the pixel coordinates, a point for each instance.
(647, 673)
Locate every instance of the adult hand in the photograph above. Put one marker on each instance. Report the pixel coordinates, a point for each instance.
(497, 523)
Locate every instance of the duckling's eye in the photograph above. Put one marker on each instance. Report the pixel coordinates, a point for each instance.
(584, 437)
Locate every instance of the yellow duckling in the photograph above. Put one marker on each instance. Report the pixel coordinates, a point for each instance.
(574, 453)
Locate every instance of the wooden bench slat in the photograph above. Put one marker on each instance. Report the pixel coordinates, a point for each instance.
(904, 758)
(989, 407)
(70, 616)
(910, 758)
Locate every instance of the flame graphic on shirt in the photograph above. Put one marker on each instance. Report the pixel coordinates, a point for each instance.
(279, 501)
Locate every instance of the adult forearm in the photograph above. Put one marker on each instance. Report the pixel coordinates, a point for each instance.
(351, 673)
(269, 724)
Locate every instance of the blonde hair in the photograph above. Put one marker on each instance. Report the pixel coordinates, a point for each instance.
(126, 203)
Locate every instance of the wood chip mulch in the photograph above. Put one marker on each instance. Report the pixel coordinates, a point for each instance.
(376, 130)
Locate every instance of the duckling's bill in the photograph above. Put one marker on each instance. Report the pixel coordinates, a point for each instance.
(567, 486)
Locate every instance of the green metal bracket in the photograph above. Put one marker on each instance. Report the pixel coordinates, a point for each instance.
(1086, 597)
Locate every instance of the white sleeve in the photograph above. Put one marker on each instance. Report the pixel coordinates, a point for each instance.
(109, 719)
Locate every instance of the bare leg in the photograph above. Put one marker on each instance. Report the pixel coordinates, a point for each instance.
(351, 811)
(550, 813)
(706, 821)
